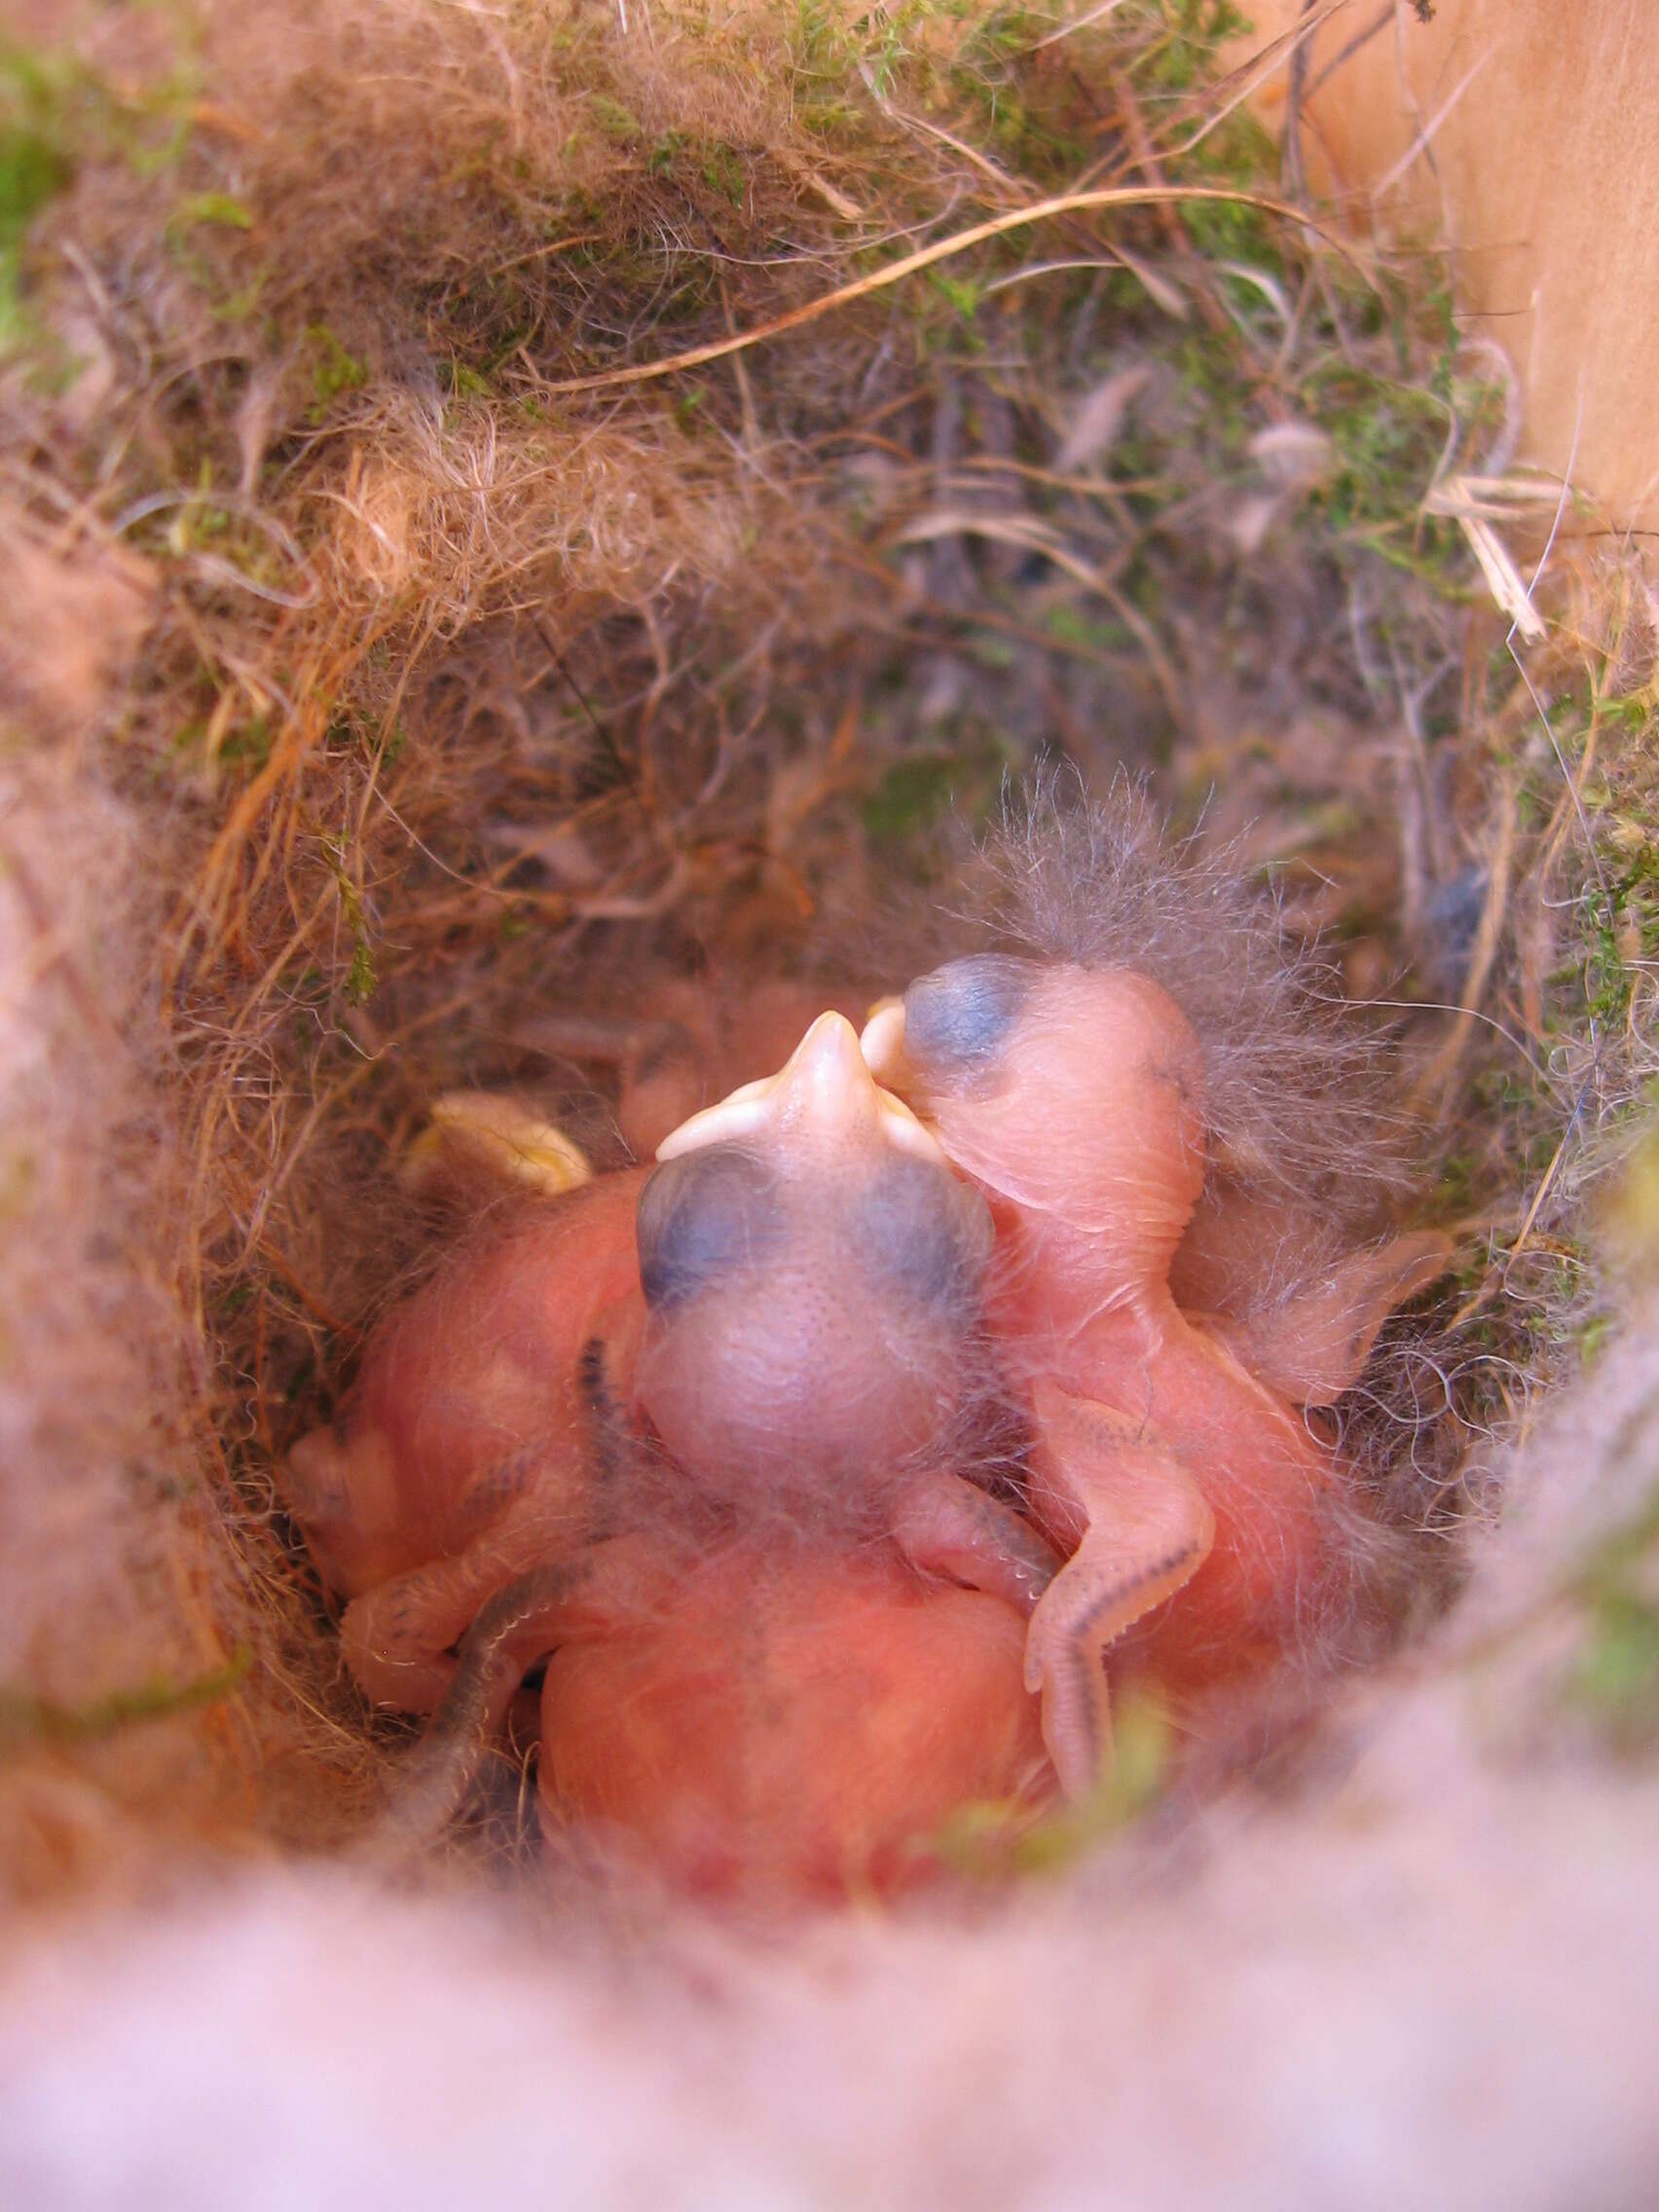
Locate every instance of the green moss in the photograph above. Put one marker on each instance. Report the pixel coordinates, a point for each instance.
(1036, 122)
(913, 794)
(1390, 437)
(1615, 1676)
(1073, 625)
(249, 742)
(463, 382)
(55, 115)
(616, 122)
(26, 1720)
(334, 370)
(1183, 41)
(991, 1841)
(363, 979)
(962, 292)
(35, 166)
(1619, 935)
(222, 209)
(723, 171)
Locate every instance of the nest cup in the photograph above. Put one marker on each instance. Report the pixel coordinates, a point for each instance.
(404, 695)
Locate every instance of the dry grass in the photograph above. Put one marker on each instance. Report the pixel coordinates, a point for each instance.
(396, 668)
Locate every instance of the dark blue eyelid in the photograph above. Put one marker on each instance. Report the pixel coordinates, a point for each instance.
(960, 1015)
(702, 1218)
(924, 1234)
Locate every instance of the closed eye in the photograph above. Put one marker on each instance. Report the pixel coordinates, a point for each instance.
(702, 1218)
(958, 1018)
(924, 1234)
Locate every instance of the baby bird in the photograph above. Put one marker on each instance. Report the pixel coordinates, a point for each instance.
(718, 1439)
(464, 1456)
(747, 1504)
(1185, 1490)
(788, 1721)
(839, 1669)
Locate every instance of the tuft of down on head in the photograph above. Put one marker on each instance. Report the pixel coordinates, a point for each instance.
(1300, 1129)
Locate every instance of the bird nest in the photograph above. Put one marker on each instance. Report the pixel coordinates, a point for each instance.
(504, 513)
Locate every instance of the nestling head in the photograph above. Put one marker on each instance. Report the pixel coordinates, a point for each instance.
(1066, 1091)
(812, 1271)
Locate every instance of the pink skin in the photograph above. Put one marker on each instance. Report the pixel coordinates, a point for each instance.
(1187, 1492)
(814, 1354)
(799, 1724)
(464, 1456)
(795, 1347)
(798, 1368)
(803, 1348)
(786, 1722)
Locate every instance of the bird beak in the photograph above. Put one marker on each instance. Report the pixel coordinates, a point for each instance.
(883, 1042)
(825, 1087)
